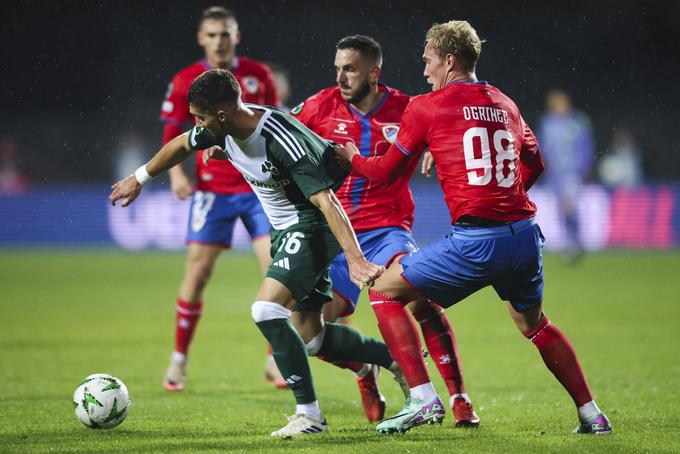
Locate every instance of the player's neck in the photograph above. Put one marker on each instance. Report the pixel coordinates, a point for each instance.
(369, 101)
(461, 77)
(219, 64)
(244, 122)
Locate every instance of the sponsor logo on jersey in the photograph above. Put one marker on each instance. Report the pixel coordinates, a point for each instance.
(390, 132)
(251, 84)
(297, 109)
(262, 184)
(341, 128)
(269, 167)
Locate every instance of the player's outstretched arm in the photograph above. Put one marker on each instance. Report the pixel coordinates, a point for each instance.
(361, 271)
(171, 154)
(385, 168)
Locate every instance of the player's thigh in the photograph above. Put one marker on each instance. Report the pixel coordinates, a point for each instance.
(273, 291)
(337, 308)
(448, 270)
(307, 323)
(211, 219)
(392, 243)
(300, 261)
(521, 283)
(391, 283)
(345, 292)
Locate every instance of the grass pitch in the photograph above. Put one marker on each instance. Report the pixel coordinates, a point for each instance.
(66, 315)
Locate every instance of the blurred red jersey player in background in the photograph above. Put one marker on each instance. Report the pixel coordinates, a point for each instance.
(221, 194)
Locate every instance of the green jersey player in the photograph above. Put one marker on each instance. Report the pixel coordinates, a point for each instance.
(293, 172)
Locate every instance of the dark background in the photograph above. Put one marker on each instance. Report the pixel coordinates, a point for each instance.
(76, 75)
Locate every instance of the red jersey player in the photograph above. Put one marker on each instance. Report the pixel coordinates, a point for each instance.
(222, 195)
(487, 158)
(367, 113)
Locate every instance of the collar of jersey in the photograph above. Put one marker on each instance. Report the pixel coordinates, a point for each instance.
(479, 82)
(234, 64)
(267, 113)
(375, 108)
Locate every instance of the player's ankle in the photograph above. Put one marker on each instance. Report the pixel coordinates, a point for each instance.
(178, 356)
(310, 410)
(424, 392)
(463, 396)
(588, 411)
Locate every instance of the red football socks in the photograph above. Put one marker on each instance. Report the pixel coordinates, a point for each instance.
(561, 360)
(188, 315)
(441, 344)
(401, 336)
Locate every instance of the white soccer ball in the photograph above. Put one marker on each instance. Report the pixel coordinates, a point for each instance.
(101, 401)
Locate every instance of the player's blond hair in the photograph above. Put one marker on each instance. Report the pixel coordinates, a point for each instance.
(456, 37)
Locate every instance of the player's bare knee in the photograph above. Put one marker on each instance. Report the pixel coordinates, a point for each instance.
(526, 320)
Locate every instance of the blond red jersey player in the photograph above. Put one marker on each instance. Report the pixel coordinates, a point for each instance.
(487, 159)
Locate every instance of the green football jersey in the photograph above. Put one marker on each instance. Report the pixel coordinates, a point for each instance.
(285, 164)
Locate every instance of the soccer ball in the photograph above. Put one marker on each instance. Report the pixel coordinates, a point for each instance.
(101, 401)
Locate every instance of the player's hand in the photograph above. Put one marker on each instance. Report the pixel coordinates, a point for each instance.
(214, 152)
(181, 185)
(344, 155)
(428, 163)
(127, 189)
(364, 273)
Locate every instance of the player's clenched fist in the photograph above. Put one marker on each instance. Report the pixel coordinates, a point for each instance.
(362, 272)
(344, 154)
(129, 189)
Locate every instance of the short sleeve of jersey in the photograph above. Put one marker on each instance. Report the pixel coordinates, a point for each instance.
(175, 107)
(201, 138)
(308, 172)
(529, 142)
(307, 112)
(414, 127)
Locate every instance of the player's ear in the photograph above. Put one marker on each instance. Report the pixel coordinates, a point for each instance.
(222, 116)
(237, 38)
(375, 73)
(450, 61)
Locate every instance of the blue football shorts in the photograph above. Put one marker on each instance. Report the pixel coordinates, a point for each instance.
(212, 217)
(379, 246)
(508, 257)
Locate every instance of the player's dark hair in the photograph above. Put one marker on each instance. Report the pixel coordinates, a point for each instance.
(215, 13)
(367, 47)
(214, 88)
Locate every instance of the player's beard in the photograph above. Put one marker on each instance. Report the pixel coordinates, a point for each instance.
(363, 91)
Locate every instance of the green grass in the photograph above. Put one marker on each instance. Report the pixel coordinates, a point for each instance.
(65, 315)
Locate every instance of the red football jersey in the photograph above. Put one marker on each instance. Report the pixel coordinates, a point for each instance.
(479, 142)
(370, 204)
(257, 86)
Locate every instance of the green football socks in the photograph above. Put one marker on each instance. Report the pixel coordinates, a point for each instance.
(290, 354)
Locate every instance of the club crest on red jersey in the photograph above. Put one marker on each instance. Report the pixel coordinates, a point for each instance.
(390, 132)
(250, 84)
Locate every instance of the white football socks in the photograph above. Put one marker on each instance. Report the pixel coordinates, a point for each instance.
(461, 395)
(311, 410)
(588, 411)
(424, 392)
